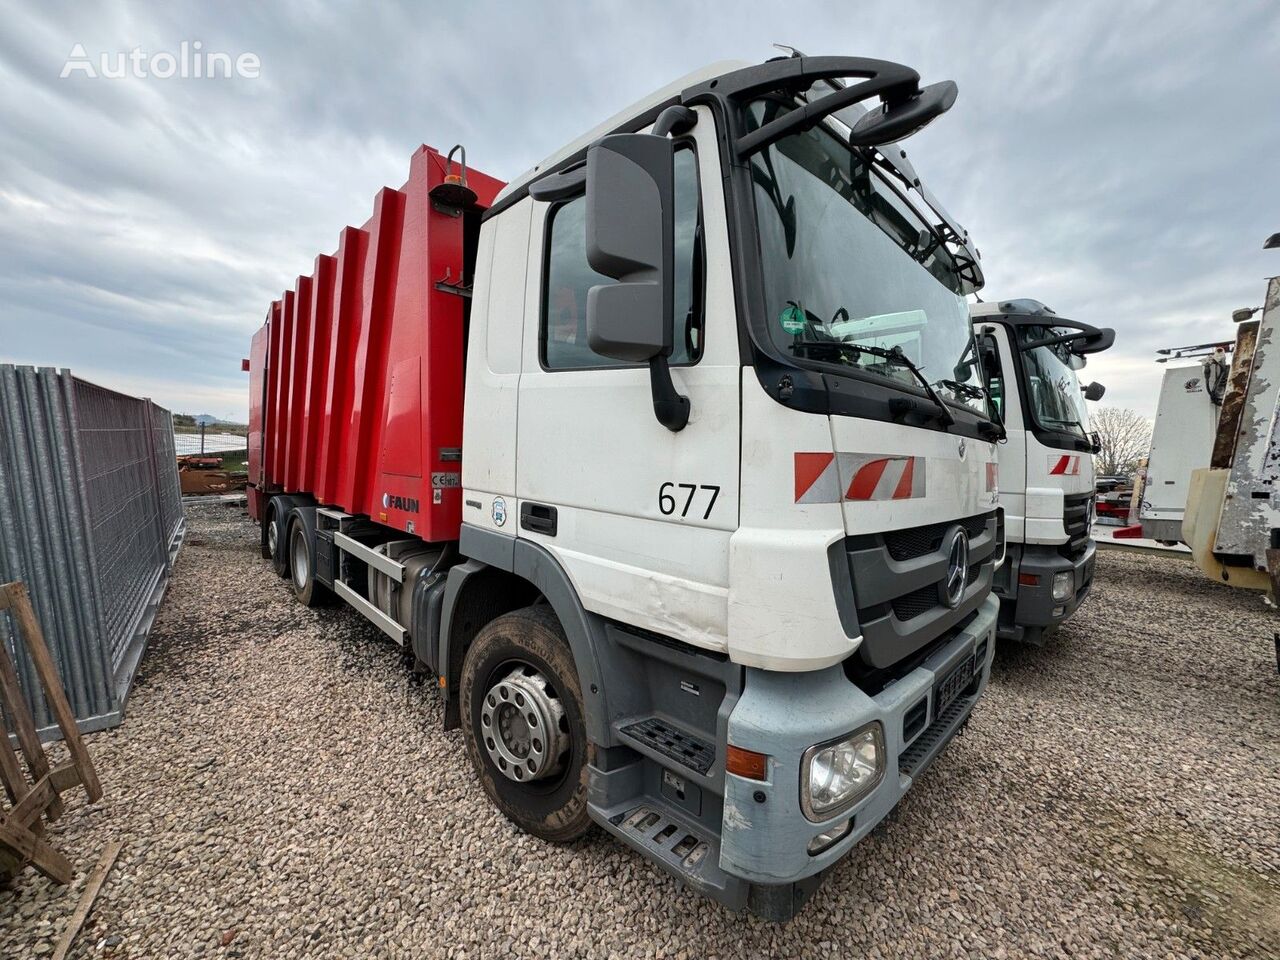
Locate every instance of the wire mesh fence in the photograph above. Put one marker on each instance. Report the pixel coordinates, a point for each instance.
(211, 442)
(91, 520)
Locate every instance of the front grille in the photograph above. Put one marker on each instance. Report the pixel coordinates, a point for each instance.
(1075, 518)
(896, 581)
(916, 603)
(918, 541)
(919, 602)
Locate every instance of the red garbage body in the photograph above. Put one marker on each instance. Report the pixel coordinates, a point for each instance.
(356, 377)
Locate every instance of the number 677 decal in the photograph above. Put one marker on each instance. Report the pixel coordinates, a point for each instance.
(668, 498)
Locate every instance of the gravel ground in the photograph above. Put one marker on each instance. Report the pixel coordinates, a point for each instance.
(284, 789)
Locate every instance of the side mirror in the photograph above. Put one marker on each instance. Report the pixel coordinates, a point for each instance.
(899, 118)
(631, 237)
(1095, 442)
(1094, 343)
(1094, 391)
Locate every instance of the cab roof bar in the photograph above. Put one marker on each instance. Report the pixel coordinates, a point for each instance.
(1033, 313)
(1095, 339)
(798, 72)
(892, 82)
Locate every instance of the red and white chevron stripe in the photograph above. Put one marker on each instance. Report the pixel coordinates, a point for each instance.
(1063, 465)
(818, 477)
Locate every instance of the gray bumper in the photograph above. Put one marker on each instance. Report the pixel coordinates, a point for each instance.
(765, 834)
(1027, 610)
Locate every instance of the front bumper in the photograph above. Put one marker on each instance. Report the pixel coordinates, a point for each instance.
(1027, 612)
(765, 835)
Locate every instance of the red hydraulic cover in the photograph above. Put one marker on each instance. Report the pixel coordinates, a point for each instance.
(356, 378)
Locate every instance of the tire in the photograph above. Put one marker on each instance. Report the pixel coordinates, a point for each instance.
(529, 642)
(302, 568)
(275, 534)
(264, 547)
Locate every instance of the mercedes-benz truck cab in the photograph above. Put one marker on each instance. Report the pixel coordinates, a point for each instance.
(1031, 358)
(727, 521)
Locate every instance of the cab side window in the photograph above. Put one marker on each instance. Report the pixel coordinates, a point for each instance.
(568, 276)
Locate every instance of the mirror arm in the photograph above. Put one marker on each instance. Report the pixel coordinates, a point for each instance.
(674, 121)
(669, 406)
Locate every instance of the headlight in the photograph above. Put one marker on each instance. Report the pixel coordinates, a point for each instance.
(837, 774)
(1063, 585)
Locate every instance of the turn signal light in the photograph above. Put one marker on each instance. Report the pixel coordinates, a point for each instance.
(746, 763)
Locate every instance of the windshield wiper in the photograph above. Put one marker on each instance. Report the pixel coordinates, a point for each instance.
(892, 355)
(895, 355)
(966, 389)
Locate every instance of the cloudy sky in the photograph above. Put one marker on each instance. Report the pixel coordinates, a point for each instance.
(1115, 160)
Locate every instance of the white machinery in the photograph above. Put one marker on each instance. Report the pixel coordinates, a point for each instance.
(1182, 438)
(1030, 356)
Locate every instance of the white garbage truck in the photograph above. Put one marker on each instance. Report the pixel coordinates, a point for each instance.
(664, 460)
(1030, 357)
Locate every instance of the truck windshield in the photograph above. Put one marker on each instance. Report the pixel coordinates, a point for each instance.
(1056, 402)
(847, 262)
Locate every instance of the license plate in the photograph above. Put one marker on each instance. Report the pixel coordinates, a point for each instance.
(953, 684)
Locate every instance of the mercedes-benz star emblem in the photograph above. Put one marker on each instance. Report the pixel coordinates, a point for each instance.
(957, 569)
(960, 448)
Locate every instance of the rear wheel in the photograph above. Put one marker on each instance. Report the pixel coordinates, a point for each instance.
(265, 546)
(522, 722)
(309, 591)
(275, 542)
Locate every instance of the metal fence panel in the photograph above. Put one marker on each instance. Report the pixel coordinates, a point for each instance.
(165, 453)
(90, 519)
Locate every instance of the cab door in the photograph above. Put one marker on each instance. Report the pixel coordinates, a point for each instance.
(1002, 382)
(638, 516)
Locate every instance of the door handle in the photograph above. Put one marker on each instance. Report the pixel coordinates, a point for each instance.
(538, 518)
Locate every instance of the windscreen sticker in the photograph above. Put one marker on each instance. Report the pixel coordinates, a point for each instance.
(1063, 466)
(872, 477)
(792, 319)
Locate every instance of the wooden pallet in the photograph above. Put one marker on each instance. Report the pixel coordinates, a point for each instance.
(30, 804)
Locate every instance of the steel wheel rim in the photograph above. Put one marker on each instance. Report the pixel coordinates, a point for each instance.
(301, 562)
(522, 726)
(273, 537)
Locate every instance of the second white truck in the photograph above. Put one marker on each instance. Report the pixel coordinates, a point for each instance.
(1030, 356)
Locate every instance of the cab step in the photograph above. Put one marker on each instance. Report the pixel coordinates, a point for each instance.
(678, 845)
(671, 742)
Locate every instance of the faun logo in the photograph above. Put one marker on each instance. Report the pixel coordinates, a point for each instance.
(407, 504)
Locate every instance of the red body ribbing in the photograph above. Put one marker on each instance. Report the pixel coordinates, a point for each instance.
(356, 378)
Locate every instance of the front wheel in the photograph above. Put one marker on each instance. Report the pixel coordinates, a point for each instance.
(523, 724)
